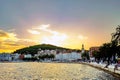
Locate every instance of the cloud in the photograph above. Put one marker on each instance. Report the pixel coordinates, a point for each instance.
(33, 31)
(46, 28)
(81, 37)
(10, 41)
(11, 44)
(27, 42)
(43, 27)
(3, 34)
(56, 38)
(20, 43)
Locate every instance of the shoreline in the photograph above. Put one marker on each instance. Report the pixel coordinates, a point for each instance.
(117, 75)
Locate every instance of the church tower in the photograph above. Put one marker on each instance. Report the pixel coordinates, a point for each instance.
(83, 48)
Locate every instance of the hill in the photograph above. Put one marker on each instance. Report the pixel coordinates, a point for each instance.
(33, 49)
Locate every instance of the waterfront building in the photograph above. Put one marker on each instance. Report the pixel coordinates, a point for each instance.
(15, 56)
(22, 56)
(61, 55)
(92, 49)
(27, 56)
(5, 57)
(68, 56)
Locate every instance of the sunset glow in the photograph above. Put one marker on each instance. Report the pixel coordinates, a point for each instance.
(65, 23)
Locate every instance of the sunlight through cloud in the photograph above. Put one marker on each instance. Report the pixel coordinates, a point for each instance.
(56, 38)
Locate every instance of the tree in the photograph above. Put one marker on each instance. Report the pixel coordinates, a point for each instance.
(118, 51)
(51, 56)
(85, 55)
(105, 51)
(116, 42)
(109, 51)
(114, 50)
(116, 35)
(97, 55)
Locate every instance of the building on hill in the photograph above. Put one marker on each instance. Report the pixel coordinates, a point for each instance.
(43, 52)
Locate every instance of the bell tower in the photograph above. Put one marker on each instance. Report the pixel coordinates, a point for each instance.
(83, 48)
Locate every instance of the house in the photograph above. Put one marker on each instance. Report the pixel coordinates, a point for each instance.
(5, 57)
(92, 49)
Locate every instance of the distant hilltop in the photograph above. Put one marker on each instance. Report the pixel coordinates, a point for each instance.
(34, 49)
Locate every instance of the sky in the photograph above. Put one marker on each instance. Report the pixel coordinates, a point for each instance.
(65, 23)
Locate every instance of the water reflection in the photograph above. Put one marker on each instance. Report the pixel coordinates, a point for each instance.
(51, 71)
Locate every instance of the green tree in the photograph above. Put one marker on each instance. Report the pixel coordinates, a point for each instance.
(116, 42)
(105, 51)
(51, 56)
(118, 51)
(108, 50)
(85, 55)
(116, 35)
(97, 55)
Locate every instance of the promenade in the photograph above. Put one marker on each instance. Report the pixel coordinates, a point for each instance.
(110, 68)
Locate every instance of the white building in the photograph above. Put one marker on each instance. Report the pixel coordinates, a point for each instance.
(5, 57)
(28, 56)
(62, 55)
(68, 56)
(16, 56)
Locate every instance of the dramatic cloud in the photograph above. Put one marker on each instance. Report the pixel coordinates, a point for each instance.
(10, 41)
(55, 38)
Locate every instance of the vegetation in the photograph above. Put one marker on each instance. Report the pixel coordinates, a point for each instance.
(108, 51)
(33, 49)
(85, 56)
(116, 35)
(97, 55)
(116, 40)
(51, 56)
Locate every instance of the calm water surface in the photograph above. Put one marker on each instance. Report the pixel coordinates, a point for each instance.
(51, 71)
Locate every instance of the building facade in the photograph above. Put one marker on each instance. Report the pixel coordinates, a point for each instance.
(92, 49)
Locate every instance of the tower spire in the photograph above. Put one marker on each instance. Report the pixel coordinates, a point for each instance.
(83, 48)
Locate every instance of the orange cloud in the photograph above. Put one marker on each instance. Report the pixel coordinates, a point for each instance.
(3, 34)
(10, 42)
